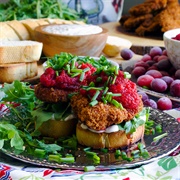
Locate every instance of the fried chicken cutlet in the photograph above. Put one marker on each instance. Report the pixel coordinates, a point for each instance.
(103, 115)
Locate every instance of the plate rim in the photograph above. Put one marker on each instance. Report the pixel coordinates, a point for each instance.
(46, 163)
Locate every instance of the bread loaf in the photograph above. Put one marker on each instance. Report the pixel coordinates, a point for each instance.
(17, 71)
(19, 51)
(7, 33)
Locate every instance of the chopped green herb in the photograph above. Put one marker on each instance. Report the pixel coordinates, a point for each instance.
(89, 168)
(157, 138)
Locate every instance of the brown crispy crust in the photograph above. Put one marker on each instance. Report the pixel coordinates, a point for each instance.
(102, 115)
(107, 140)
(51, 95)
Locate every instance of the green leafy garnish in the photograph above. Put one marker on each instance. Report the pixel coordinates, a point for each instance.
(130, 126)
(21, 93)
(9, 133)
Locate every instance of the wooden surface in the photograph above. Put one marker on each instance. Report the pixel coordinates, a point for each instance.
(115, 29)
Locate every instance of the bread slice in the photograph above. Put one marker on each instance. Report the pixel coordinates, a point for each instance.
(17, 71)
(20, 51)
(42, 21)
(7, 33)
(30, 25)
(19, 29)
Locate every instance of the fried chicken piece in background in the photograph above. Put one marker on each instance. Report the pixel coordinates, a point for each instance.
(170, 17)
(149, 6)
(152, 16)
(148, 26)
(134, 22)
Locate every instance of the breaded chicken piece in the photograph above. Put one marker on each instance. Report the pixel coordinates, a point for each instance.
(149, 26)
(170, 17)
(148, 7)
(51, 95)
(133, 22)
(153, 16)
(167, 19)
(100, 116)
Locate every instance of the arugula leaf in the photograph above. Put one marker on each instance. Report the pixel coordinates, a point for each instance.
(9, 132)
(34, 9)
(130, 126)
(21, 93)
(58, 111)
(49, 148)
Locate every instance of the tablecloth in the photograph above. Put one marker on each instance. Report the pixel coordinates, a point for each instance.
(166, 168)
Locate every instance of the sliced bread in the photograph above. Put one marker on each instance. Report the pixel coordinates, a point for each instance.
(30, 25)
(20, 51)
(17, 71)
(7, 33)
(19, 29)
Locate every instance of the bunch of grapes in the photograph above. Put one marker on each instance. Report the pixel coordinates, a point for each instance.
(154, 71)
(163, 103)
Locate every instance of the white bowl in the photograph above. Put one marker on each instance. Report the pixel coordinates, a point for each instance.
(173, 47)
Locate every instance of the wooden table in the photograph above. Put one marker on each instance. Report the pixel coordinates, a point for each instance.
(115, 29)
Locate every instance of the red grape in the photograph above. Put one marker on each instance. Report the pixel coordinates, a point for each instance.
(155, 51)
(164, 52)
(158, 85)
(142, 64)
(144, 95)
(150, 103)
(155, 58)
(126, 54)
(164, 103)
(164, 64)
(144, 80)
(164, 73)
(175, 88)
(168, 80)
(154, 73)
(146, 57)
(138, 71)
(162, 57)
(177, 74)
(150, 62)
(153, 67)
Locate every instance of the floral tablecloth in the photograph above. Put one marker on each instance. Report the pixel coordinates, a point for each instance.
(167, 168)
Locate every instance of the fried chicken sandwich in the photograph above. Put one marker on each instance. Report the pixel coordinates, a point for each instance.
(109, 110)
(64, 75)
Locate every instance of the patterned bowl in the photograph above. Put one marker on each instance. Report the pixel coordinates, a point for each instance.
(172, 46)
